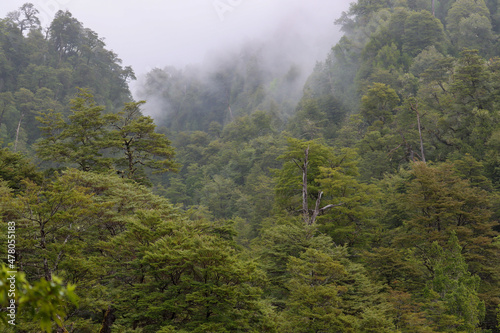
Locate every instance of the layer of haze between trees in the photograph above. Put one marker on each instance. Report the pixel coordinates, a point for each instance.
(267, 72)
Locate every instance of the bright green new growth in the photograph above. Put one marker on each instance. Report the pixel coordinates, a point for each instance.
(44, 301)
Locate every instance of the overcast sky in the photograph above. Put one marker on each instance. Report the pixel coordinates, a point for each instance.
(158, 33)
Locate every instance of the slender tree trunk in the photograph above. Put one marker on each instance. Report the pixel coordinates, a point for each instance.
(228, 98)
(107, 322)
(309, 220)
(46, 270)
(316, 208)
(17, 131)
(305, 208)
(421, 141)
(415, 108)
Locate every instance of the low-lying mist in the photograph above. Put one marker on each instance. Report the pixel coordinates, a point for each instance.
(260, 72)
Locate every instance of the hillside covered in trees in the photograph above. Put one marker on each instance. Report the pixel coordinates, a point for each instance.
(361, 197)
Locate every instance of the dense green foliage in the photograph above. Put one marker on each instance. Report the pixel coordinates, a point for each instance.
(366, 202)
(41, 71)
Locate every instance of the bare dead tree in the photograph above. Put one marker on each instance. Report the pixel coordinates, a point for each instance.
(414, 107)
(17, 131)
(303, 168)
(310, 215)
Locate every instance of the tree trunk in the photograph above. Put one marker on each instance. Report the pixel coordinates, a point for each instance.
(46, 269)
(309, 220)
(17, 131)
(305, 208)
(415, 108)
(316, 208)
(107, 322)
(420, 133)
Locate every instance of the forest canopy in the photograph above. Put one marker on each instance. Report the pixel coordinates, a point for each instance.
(363, 200)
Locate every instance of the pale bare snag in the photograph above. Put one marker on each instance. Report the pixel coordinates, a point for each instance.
(310, 215)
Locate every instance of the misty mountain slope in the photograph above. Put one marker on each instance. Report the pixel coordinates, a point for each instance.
(259, 75)
(400, 72)
(401, 86)
(355, 194)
